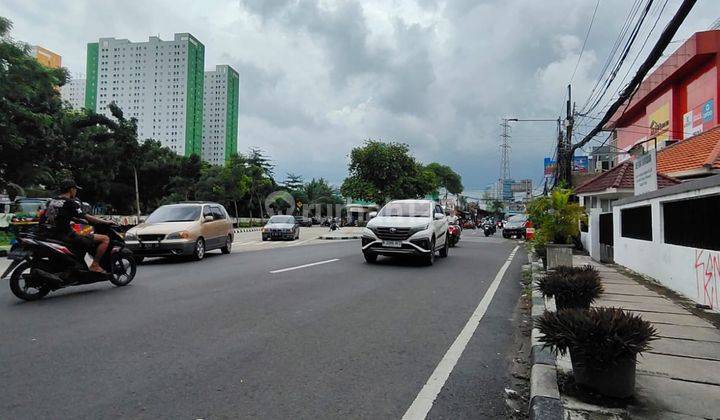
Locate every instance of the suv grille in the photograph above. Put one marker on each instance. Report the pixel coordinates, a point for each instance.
(393, 234)
(151, 237)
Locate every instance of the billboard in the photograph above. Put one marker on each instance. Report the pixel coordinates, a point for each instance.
(659, 122)
(698, 119)
(580, 165)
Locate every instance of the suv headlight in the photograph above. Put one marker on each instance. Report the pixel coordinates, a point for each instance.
(131, 236)
(369, 233)
(178, 235)
(420, 228)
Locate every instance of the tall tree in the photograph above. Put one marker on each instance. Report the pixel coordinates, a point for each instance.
(29, 106)
(381, 171)
(447, 178)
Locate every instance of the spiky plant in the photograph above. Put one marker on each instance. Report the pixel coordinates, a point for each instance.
(572, 287)
(597, 338)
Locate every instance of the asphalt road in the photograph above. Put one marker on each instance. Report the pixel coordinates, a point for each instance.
(228, 338)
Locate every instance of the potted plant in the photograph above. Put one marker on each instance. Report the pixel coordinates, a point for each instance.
(603, 344)
(558, 220)
(572, 287)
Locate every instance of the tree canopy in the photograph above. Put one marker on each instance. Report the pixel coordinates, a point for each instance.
(381, 171)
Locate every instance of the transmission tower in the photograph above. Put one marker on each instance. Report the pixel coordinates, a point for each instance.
(504, 154)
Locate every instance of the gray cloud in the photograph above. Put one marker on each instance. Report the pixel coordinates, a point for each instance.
(319, 77)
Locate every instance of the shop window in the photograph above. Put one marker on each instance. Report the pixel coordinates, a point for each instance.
(693, 223)
(636, 223)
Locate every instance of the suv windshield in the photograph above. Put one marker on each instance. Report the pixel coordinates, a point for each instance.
(405, 210)
(518, 218)
(281, 219)
(174, 214)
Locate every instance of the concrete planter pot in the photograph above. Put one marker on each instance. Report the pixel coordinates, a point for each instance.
(559, 254)
(616, 381)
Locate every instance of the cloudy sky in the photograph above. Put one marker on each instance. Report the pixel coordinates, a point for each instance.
(318, 76)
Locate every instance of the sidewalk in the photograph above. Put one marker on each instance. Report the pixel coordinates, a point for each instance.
(679, 377)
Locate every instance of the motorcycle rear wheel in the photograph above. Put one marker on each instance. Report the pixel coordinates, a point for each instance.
(18, 284)
(123, 270)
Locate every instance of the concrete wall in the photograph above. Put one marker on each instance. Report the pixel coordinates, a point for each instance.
(692, 272)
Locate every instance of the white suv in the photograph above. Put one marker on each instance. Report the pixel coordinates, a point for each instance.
(415, 227)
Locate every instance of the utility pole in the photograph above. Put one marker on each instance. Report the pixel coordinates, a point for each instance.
(504, 155)
(559, 160)
(565, 150)
(137, 193)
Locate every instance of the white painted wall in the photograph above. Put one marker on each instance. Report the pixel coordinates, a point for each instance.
(692, 272)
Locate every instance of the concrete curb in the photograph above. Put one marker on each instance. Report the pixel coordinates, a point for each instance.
(545, 403)
(330, 238)
(253, 229)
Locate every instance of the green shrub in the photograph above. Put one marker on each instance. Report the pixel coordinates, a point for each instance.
(572, 287)
(598, 337)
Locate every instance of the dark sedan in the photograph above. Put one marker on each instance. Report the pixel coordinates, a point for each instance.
(281, 227)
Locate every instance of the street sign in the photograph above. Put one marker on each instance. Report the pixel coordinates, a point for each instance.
(645, 167)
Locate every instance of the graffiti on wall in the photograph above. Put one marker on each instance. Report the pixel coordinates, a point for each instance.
(707, 276)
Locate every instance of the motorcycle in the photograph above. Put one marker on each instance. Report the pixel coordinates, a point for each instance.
(489, 229)
(454, 232)
(41, 265)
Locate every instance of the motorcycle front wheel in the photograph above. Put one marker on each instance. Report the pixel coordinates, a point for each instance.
(123, 269)
(19, 284)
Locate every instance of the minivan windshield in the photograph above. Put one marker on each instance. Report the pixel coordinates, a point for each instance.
(281, 220)
(166, 214)
(406, 210)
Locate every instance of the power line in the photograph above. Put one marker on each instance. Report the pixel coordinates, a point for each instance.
(587, 34)
(662, 43)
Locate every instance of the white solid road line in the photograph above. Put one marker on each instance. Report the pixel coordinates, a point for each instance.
(425, 399)
(303, 266)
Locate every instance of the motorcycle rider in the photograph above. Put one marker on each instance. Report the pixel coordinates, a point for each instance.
(61, 211)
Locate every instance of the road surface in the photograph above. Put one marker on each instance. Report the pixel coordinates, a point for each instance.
(273, 331)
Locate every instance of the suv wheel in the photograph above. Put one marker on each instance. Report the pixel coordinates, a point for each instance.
(199, 251)
(430, 258)
(445, 248)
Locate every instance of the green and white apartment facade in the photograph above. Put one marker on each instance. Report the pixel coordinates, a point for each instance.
(220, 114)
(162, 84)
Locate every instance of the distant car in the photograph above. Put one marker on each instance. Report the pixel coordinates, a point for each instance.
(281, 227)
(27, 211)
(304, 221)
(407, 227)
(515, 226)
(183, 229)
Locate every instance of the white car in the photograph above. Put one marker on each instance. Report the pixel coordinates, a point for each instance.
(406, 227)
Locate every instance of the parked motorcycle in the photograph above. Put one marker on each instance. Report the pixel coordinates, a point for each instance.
(41, 265)
(489, 229)
(454, 232)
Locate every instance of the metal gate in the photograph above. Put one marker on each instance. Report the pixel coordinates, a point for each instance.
(606, 237)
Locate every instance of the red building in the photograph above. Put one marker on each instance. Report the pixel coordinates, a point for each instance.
(677, 100)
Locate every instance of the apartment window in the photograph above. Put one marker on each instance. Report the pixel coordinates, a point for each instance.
(636, 223)
(693, 223)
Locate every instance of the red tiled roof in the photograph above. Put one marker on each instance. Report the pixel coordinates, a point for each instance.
(701, 151)
(620, 177)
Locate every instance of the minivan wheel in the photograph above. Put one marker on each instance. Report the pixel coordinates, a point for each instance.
(228, 245)
(199, 251)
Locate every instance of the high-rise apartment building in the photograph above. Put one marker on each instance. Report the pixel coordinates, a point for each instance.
(46, 57)
(220, 114)
(74, 93)
(158, 82)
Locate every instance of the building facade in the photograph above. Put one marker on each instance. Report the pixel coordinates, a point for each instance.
(160, 83)
(220, 114)
(676, 101)
(74, 93)
(46, 57)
